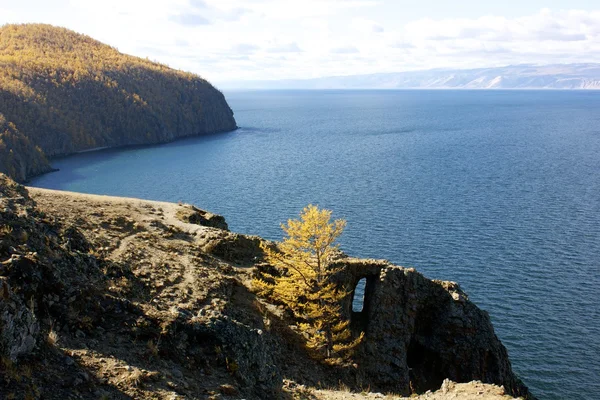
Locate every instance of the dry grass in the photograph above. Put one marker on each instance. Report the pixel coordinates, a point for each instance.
(153, 347)
(133, 377)
(52, 338)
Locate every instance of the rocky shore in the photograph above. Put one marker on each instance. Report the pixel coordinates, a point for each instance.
(117, 298)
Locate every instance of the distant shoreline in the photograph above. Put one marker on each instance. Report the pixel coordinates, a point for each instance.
(412, 89)
(580, 76)
(94, 149)
(118, 147)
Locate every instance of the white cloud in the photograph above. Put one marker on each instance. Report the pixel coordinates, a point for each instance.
(544, 26)
(345, 50)
(244, 48)
(293, 9)
(190, 19)
(545, 37)
(366, 26)
(285, 48)
(268, 39)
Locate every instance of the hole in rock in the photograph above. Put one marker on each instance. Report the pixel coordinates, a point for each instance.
(358, 301)
(361, 303)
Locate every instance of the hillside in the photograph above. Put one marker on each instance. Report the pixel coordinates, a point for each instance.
(116, 298)
(558, 76)
(62, 92)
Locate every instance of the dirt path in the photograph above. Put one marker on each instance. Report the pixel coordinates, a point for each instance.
(137, 209)
(157, 264)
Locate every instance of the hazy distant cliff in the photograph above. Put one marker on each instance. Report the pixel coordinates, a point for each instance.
(62, 92)
(558, 76)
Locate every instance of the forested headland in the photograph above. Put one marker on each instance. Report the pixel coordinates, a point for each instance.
(62, 92)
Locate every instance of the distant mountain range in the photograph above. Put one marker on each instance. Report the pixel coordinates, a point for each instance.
(557, 76)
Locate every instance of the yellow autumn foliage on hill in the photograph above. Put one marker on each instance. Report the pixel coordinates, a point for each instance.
(66, 92)
(304, 283)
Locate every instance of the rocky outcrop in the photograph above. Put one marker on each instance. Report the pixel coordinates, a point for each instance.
(420, 332)
(124, 299)
(19, 328)
(250, 352)
(449, 390)
(198, 328)
(36, 271)
(194, 215)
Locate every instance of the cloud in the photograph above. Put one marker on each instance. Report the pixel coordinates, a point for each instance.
(377, 28)
(244, 48)
(270, 39)
(561, 36)
(345, 50)
(212, 11)
(235, 14)
(366, 26)
(542, 38)
(182, 43)
(557, 26)
(285, 48)
(403, 45)
(190, 20)
(198, 4)
(294, 10)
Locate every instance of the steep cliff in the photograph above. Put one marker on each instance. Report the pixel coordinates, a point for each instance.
(421, 332)
(125, 298)
(62, 92)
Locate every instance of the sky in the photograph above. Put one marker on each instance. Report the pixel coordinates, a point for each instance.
(236, 40)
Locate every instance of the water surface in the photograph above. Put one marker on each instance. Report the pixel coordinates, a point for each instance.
(498, 190)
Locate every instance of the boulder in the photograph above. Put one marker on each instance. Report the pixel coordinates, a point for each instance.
(193, 215)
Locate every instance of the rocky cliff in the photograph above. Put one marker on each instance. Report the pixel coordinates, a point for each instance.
(106, 297)
(62, 92)
(421, 332)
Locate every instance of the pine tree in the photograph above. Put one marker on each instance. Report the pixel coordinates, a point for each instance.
(304, 284)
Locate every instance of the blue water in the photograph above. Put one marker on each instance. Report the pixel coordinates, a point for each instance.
(498, 190)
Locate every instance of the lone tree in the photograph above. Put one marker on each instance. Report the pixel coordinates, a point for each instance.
(303, 283)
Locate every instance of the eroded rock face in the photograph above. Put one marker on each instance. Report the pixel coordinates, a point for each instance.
(420, 332)
(19, 328)
(32, 257)
(250, 356)
(188, 328)
(233, 247)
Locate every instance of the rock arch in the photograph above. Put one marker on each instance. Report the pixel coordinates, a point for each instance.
(420, 331)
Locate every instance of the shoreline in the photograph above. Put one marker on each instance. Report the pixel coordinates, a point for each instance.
(28, 179)
(91, 150)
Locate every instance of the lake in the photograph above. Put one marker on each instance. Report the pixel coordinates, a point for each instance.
(497, 190)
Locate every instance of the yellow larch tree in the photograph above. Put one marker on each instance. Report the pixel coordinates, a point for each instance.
(303, 283)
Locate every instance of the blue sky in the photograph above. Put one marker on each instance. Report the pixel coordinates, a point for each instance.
(229, 40)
